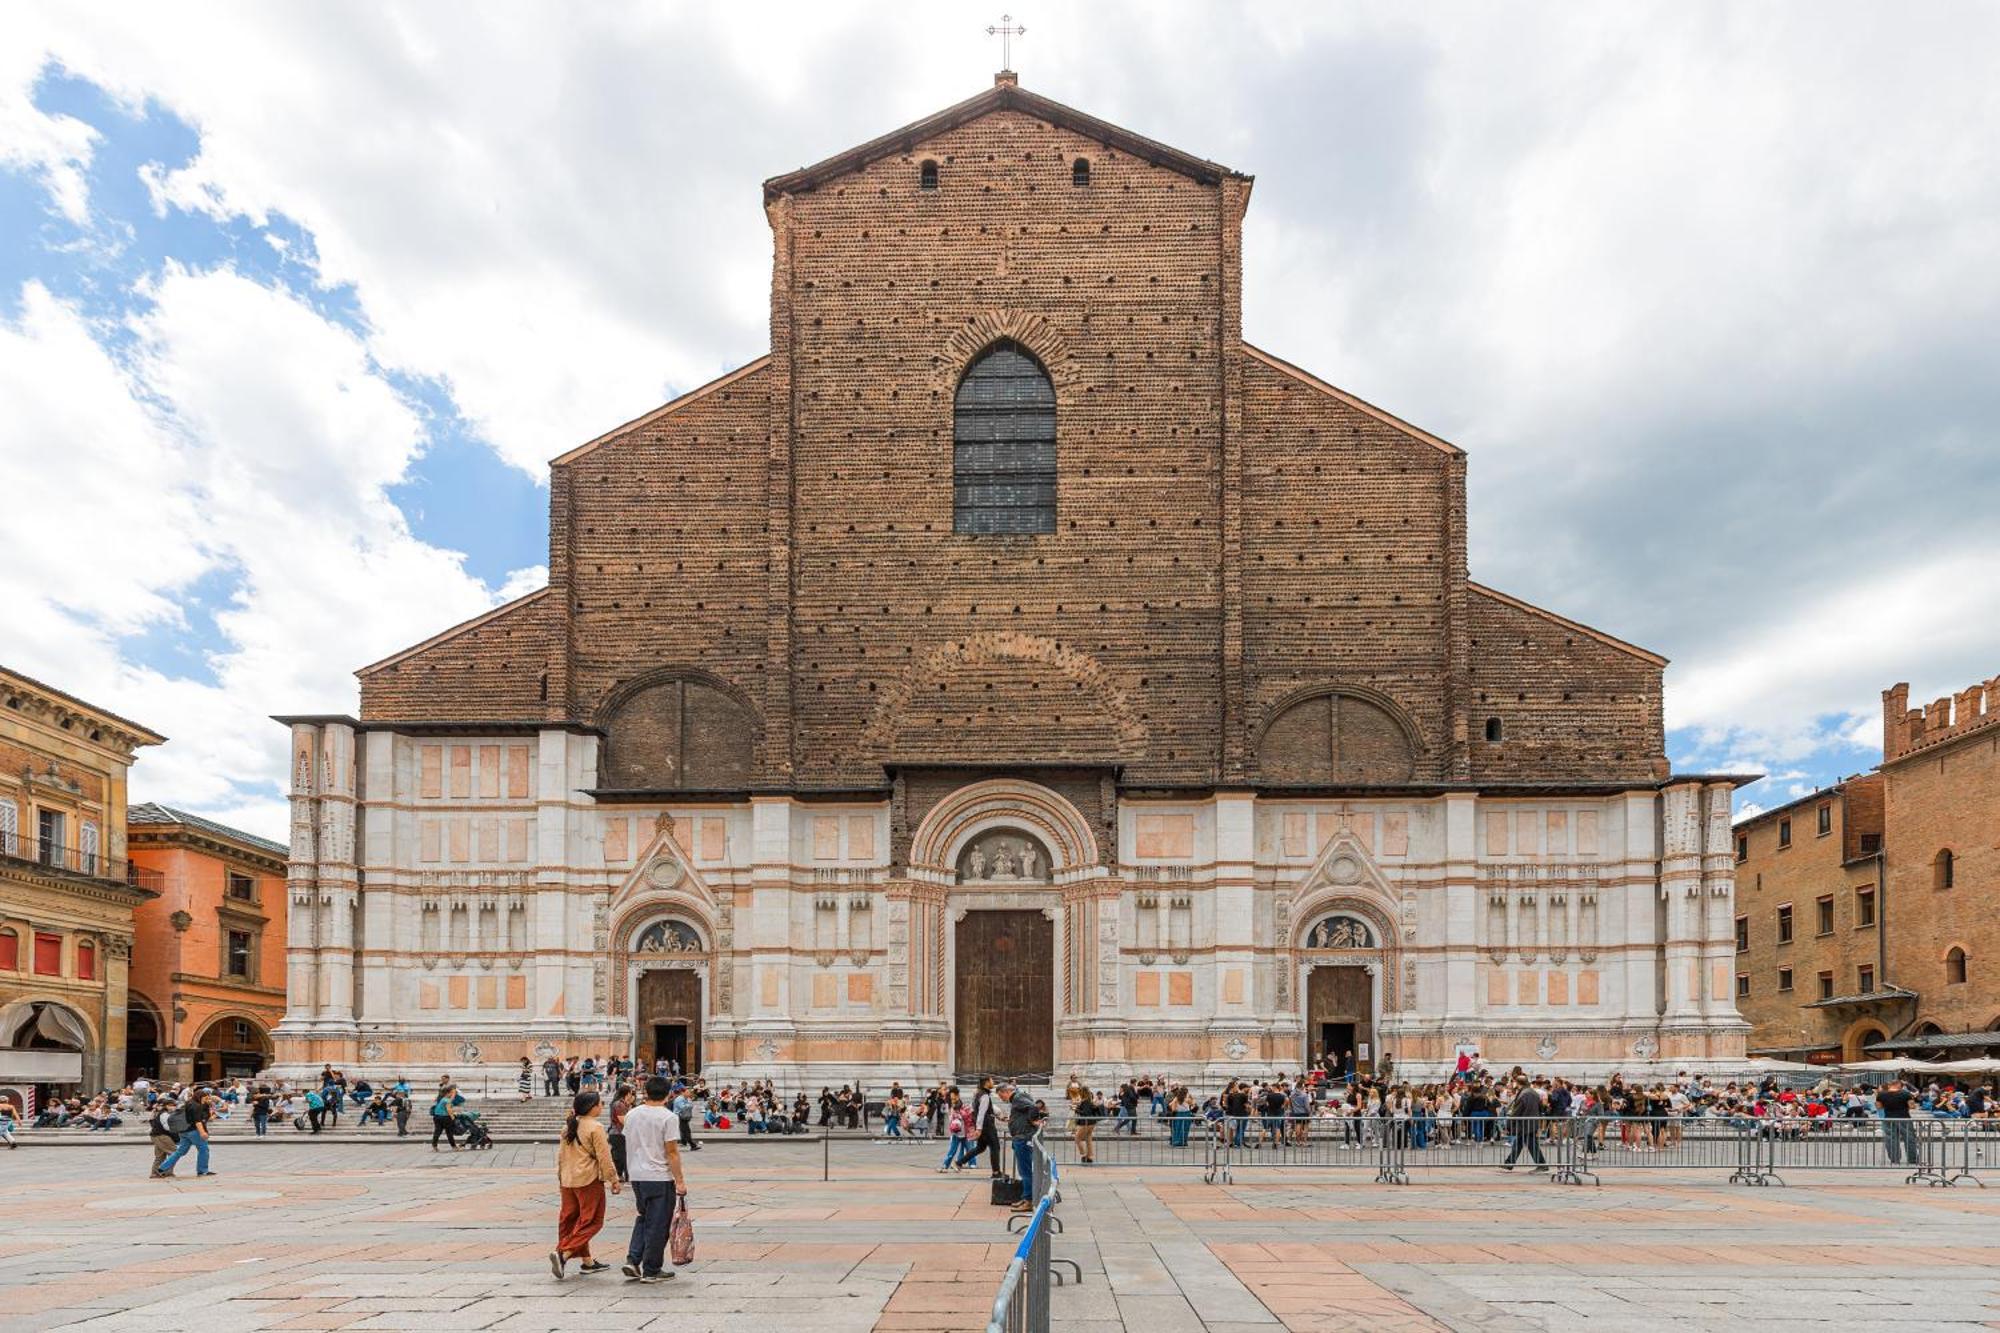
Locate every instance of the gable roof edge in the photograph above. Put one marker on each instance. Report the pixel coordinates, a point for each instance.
(694, 395)
(1362, 405)
(1609, 640)
(1000, 97)
(452, 633)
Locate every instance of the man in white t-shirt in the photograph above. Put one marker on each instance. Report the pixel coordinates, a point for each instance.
(653, 1164)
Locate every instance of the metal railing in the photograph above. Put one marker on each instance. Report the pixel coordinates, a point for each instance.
(1579, 1150)
(55, 856)
(1022, 1304)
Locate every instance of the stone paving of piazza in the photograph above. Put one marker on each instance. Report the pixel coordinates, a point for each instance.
(297, 1235)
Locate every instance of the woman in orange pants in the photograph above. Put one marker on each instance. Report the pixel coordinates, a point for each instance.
(583, 1168)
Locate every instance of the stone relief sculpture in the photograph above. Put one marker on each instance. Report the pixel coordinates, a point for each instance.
(1004, 856)
(1340, 932)
(668, 937)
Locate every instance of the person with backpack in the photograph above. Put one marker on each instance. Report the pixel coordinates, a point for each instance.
(983, 1132)
(584, 1166)
(190, 1123)
(958, 1123)
(260, 1111)
(1087, 1112)
(683, 1105)
(621, 1102)
(164, 1137)
(315, 1108)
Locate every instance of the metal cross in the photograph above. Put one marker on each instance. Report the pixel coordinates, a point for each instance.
(1006, 30)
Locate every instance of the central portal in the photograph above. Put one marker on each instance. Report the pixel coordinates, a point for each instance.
(668, 1020)
(1340, 1016)
(1005, 1019)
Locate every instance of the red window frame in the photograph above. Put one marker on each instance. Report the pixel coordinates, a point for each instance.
(86, 961)
(48, 955)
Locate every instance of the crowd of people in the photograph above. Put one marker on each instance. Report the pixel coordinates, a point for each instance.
(1477, 1105)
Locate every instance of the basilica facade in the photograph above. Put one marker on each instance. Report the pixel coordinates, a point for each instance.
(1014, 670)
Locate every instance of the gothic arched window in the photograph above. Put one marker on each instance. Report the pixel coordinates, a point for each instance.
(1004, 445)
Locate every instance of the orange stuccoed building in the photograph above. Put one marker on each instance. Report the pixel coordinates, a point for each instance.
(208, 961)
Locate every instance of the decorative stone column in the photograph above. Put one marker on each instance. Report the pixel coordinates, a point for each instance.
(1681, 891)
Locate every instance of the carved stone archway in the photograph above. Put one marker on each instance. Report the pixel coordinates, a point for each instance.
(1345, 883)
(953, 823)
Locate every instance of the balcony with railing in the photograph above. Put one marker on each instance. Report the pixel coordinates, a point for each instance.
(50, 855)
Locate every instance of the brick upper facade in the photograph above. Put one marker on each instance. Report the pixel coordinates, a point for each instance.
(1233, 536)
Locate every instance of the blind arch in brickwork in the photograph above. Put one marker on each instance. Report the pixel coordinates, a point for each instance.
(677, 729)
(1336, 734)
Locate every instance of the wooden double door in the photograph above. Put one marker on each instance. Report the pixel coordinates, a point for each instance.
(1004, 1019)
(668, 1021)
(1340, 1016)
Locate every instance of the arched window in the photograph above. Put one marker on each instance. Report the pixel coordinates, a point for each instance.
(1496, 731)
(1954, 967)
(1079, 172)
(927, 175)
(1941, 870)
(1004, 445)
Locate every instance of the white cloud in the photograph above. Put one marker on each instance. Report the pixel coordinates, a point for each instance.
(1706, 289)
(56, 149)
(246, 436)
(1806, 675)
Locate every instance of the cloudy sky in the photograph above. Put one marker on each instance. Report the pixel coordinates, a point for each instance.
(296, 301)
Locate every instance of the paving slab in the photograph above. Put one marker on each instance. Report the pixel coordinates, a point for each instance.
(328, 1234)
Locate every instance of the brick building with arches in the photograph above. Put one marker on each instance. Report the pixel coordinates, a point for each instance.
(1013, 670)
(208, 972)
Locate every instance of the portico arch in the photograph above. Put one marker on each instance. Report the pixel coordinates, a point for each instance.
(1860, 1035)
(231, 1044)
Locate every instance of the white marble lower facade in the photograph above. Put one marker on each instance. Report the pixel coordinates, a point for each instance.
(459, 900)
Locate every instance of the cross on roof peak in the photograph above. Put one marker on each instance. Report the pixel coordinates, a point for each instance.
(1006, 30)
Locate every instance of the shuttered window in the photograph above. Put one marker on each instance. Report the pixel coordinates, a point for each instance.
(1004, 445)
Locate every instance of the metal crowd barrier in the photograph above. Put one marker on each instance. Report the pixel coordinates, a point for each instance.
(1578, 1150)
(1022, 1305)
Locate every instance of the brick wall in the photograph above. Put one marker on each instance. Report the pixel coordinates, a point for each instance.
(1230, 534)
(1569, 704)
(1813, 867)
(1946, 797)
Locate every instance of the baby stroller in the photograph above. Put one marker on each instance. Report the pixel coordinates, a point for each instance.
(474, 1133)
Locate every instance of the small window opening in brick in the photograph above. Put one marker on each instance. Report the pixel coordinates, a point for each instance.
(1079, 172)
(1496, 730)
(927, 176)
